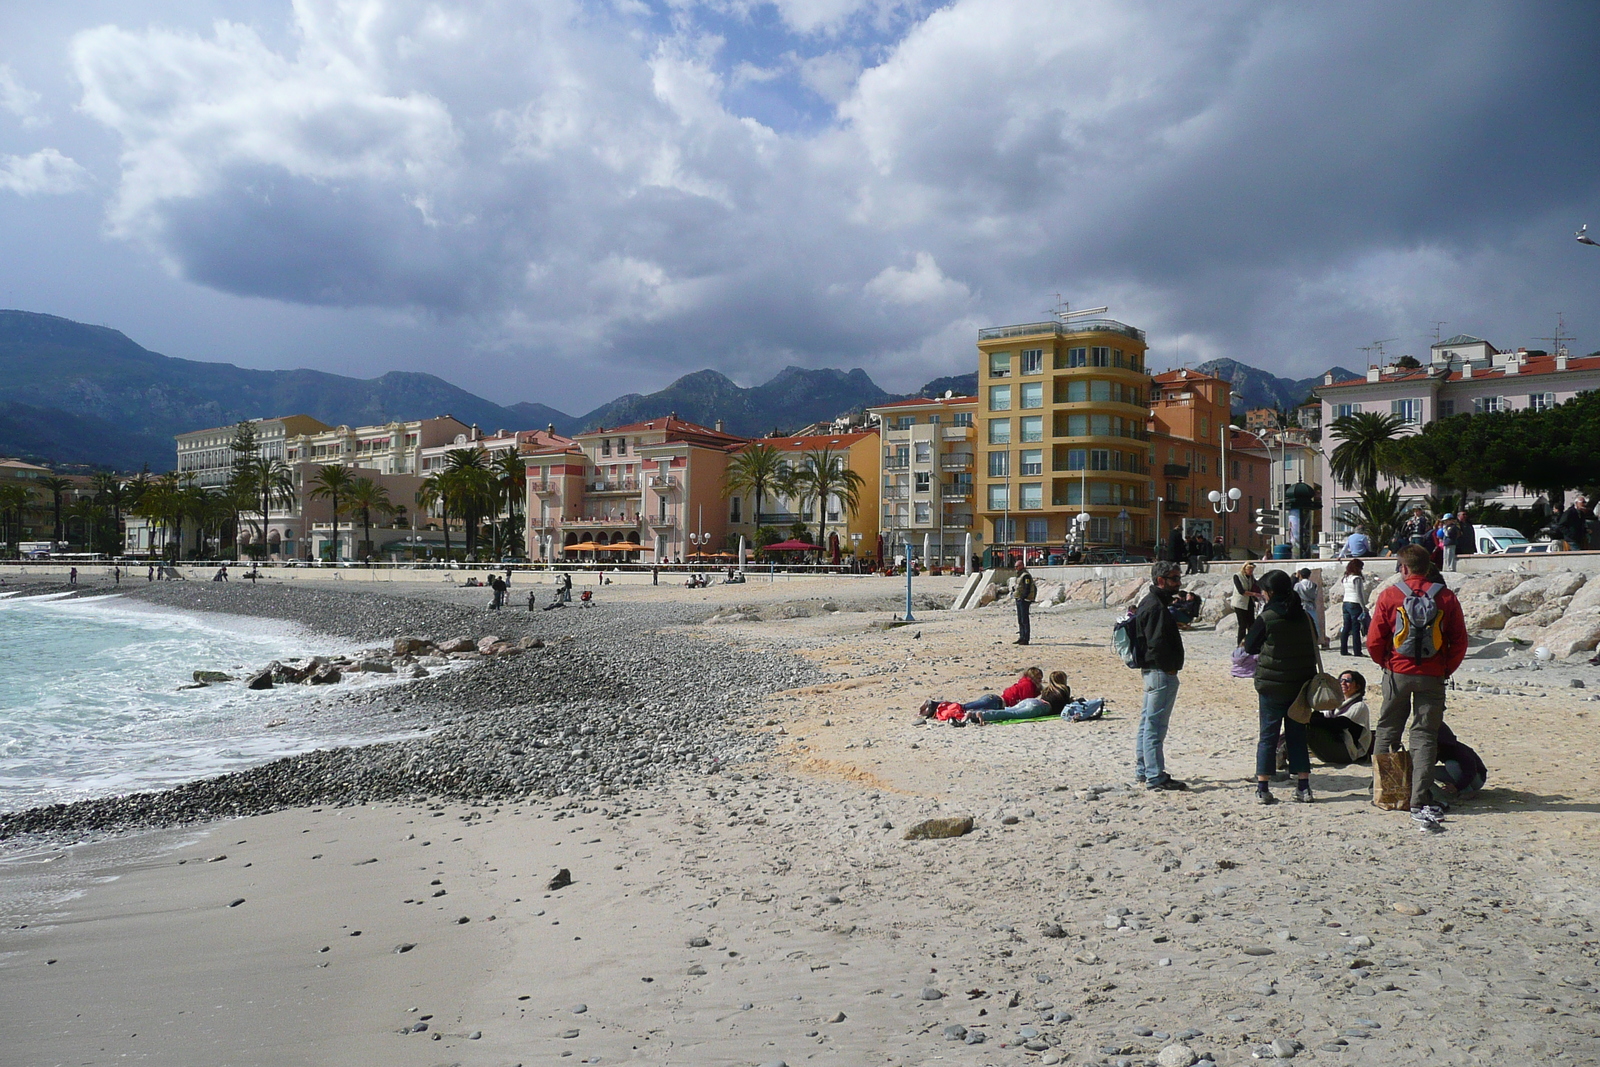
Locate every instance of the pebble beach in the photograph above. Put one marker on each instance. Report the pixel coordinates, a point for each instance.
(674, 830)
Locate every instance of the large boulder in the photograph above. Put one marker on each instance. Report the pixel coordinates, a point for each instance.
(1540, 589)
(412, 646)
(212, 676)
(259, 680)
(1527, 627)
(1575, 632)
(373, 666)
(1585, 598)
(486, 644)
(458, 644)
(1484, 613)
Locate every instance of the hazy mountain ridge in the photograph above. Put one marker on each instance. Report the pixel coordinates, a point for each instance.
(1256, 388)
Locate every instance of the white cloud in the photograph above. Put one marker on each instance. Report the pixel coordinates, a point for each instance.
(924, 283)
(44, 173)
(18, 99)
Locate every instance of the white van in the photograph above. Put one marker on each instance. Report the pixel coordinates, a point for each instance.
(1494, 540)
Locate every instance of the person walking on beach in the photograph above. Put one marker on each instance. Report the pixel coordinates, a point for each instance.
(1419, 637)
(1246, 591)
(150, 575)
(1161, 660)
(116, 576)
(1354, 605)
(497, 584)
(1284, 640)
(1310, 593)
(1025, 591)
(72, 576)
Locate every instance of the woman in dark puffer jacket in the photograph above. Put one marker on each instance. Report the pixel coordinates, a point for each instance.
(1283, 639)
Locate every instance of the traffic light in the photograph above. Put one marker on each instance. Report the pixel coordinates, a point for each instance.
(1267, 521)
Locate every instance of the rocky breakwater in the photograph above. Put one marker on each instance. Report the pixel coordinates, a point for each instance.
(1557, 610)
(618, 701)
(409, 657)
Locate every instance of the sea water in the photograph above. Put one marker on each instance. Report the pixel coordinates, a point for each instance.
(91, 702)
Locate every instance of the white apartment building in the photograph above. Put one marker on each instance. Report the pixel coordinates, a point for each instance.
(205, 457)
(928, 475)
(1464, 375)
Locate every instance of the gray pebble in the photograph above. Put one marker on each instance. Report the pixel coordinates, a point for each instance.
(747, 1006)
(699, 942)
(1266, 989)
(836, 1017)
(930, 993)
(569, 1033)
(1143, 1031)
(578, 1009)
(1283, 1049)
(697, 970)
(476, 1035)
(832, 898)
(976, 1037)
(955, 1032)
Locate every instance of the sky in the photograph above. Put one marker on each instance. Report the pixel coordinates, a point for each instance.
(561, 201)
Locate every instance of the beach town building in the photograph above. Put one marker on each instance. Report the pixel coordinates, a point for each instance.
(854, 531)
(1463, 375)
(928, 484)
(37, 522)
(1063, 407)
(206, 457)
(1261, 420)
(388, 448)
(1189, 413)
(655, 483)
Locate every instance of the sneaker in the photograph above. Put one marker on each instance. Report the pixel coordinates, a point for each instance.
(1170, 785)
(1302, 795)
(1264, 796)
(1428, 818)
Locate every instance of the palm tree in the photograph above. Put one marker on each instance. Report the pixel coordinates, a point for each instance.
(431, 495)
(824, 475)
(511, 488)
(57, 486)
(1358, 460)
(758, 471)
(159, 502)
(468, 489)
(1381, 511)
(332, 482)
(367, 496)
(108, 492)
(270, 483)
(13, 499)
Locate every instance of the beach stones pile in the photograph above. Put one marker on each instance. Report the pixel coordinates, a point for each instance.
(610, 701)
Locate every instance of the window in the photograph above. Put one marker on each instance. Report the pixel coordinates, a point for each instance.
(999, 431)
(1077, 425)
(1100, 528)
(1074, 494)
(1099, 459)
(733, 513)
(1005, 531)
(1033, 361)
(1100, 391)
(1541, 401)
(1031, 462)
(924, 451)
(1075, 458)
(922, 478)
(1030, 496)
(1099, 357)
(999, 464)
(1341, 410)
(1032, 395)
(923, 514)
(999, 398)
(1099, 492)
(1447, 408)
(1235, 470)
(1486, 404)
(1077, 357)
(605, 446)
(1038, 530)
(999, 497)
(904, 422)
(1205, 426)
(999, 364)
(933, 420)
(962, 418)
(1076, 393)
(1410, 411)
(1032, 427)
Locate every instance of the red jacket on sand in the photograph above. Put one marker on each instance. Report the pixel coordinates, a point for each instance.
(1380, 635)
(1021, 689)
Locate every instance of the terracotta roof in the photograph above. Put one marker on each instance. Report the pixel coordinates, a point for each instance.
(1532, 365)
(671, 424)
(919, 401)
(821, 440)
(1185, 375)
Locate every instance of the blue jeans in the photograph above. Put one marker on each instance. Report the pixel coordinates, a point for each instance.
(1275, 716)
(1352, 629)
(1150, 756)
(987, 702)
(1024, 631)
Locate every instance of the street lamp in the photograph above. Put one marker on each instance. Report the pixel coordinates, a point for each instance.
(855, 550)
(1122, 529)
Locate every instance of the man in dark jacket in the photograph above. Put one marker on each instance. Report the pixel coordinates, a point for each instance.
(1026, 592)
(1161, 660)
(1177, 547)
(1572, 527)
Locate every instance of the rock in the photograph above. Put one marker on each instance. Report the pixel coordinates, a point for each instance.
(569, 1034)
(530, 642)
(327, 675)
(578, 1009)
(411, 646)
(374, 666)
(476, 1035)
(562, 879)
(1575, 683)
(1574, 632)
(458, 644)
(212, 676)
(485, 644)
(404, 947)
(699, 942)
(418, 671)
(696, 970)
(836, 1017)
(1405, 907)
(1283, 1049)
(1177, 1056)
(976, 1037)
(1052, 930)
(259, 680)
(955, 1032)
(930, 993)
(1541, 590)
(944, 826)
(1258, 950)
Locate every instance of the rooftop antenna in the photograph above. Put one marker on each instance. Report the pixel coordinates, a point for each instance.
(1379, 346)
(1368, 350)
(1438, 328)
(1560, 337)
(1062, 311)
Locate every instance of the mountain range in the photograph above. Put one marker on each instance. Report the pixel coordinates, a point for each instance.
(1255, 388)
(71, 393)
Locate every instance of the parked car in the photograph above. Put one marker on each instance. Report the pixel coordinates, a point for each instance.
(1114, 555)
(1533, 547)
(1497, 540)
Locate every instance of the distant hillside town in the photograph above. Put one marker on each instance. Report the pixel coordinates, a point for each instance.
(1063, 447)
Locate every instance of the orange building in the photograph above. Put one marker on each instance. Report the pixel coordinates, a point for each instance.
(1189, 415)
(856, 530)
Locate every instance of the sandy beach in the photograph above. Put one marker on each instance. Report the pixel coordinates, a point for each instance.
(767, 908)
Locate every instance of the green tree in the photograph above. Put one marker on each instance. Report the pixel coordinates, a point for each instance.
(365, 497)
(108, 492)
(14, 499)
(160, 504)
(468, 485)
(1381, 511)
(332, 483)
(824, 475)
(1356, 461)
(57, 487)
(758, 470)
(430, 496)
(270, 483)
(510, 482)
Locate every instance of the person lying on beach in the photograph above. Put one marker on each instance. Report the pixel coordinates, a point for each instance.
(1049, 702)
(1024, 687)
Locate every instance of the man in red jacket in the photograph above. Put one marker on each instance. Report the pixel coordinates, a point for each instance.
(1419, 637)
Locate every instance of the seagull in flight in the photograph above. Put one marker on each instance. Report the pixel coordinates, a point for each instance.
(1584, 238)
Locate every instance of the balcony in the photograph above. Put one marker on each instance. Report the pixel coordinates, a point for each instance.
(621, 485)
(958, 491)
(664, 481)
(605, 520)
(1060, 329)
(896, 463)
(1175, 470)
(659, 521)
(955, 461)
(896, 493)
(956, 433)
(958, 518)
(1176, 507)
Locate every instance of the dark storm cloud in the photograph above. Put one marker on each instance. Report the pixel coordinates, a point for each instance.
(1278, 182)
